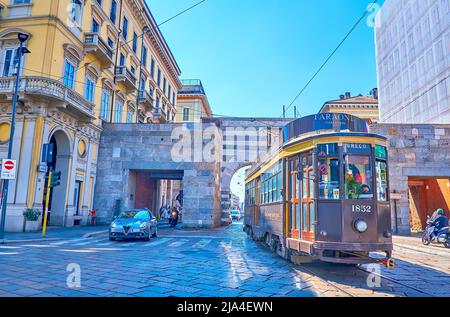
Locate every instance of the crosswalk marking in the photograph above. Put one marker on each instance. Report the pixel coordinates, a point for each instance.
(158, 242)
(201, 244)
(66, 241)
(178, 243)
(8, 247)
(105, 244)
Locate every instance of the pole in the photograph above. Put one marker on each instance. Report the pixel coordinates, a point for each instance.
(47, 200)
(295, 112)
(10, 144)
(284, 112)
(140, 75)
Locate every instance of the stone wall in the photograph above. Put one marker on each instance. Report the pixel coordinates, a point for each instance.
(126, 148)
(414, 151)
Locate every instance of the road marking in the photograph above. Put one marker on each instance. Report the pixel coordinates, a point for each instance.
(105, 244)
(83, 243)
(8, 247)
(9, 253)
(38, 246)
(194, 237)
(158, 242)
(66, 241)
(201, 244)
(128, 244)
(178, 243)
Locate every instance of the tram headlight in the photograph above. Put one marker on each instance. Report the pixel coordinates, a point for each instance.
(361, 226)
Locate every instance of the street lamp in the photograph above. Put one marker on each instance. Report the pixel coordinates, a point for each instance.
(20, 52)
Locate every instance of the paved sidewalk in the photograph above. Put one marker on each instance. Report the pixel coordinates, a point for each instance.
(54, 233)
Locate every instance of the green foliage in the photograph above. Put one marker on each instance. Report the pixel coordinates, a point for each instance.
(31, 214)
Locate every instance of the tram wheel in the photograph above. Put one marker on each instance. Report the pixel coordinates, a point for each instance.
(447, 245)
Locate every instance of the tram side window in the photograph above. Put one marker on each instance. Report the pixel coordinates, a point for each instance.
(328, 171)
(271, 184)
(358, 177)
(250, 193)
(381, 169)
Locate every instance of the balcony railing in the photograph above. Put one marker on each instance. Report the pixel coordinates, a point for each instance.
(94, 43)
(159, 114)
(191, 86)
(51, 89)
(126, 76)
(145, 98)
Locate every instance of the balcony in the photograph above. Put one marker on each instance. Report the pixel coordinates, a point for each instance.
(93, 43)
(159, 115)
(191, 87)
(52, 90)
(145, 99)
(126, 77)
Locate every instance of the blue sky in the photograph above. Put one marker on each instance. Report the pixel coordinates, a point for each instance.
(253, 56)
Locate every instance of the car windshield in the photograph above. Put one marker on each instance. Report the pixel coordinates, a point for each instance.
(134, 214)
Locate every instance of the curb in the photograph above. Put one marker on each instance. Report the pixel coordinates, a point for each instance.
(93, 234)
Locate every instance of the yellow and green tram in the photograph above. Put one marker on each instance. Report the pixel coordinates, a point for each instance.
(324, 194)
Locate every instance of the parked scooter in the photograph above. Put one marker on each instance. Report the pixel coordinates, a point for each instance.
(442, 236)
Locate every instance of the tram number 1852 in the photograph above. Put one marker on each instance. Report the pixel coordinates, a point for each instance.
(362, 208)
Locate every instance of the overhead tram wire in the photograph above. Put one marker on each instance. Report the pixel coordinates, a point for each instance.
(331, 55)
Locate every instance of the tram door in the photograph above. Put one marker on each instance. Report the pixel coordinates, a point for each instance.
(307, 196)
(294, 198)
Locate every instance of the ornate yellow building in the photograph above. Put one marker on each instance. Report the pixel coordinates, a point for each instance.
(91, 61)
(192, 104)
(365, 107)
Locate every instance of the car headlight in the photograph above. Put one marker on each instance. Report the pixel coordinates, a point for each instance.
(143, 225)
(113, 225)
(361, 225)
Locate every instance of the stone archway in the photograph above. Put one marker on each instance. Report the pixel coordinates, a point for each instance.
(228, 170)
(61, 163)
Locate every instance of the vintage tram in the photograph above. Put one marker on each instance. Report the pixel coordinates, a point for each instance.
(323, 195)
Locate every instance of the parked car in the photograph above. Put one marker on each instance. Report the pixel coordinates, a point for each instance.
(134, 224)
(226, 218)
(236, 215)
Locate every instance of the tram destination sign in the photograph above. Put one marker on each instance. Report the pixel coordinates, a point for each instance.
(324, 121)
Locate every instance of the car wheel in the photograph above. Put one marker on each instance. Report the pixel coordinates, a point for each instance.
(447, 244)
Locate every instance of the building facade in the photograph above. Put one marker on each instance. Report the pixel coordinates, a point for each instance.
(413, 61)
(365, 107)
(192, 104)
(91, 62)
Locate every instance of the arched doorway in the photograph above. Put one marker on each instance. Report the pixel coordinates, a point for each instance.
(60, 163)
(229, 173)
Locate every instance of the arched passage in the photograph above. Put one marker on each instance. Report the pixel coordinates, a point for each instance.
(228, 171)
(60, 163)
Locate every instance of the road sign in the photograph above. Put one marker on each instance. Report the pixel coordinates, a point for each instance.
(8, 169)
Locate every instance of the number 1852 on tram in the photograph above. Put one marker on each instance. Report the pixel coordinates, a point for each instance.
(324, 194)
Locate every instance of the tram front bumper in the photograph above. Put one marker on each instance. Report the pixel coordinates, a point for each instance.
(352, 253)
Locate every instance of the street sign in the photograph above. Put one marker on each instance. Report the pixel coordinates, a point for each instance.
(8, 169)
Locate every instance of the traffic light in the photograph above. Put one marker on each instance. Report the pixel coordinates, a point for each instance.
(56, 179)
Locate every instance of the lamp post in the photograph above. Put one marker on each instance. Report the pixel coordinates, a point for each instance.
(20, 52)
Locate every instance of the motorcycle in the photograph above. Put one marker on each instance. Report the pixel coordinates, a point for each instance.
(442, 236)
(173, 220)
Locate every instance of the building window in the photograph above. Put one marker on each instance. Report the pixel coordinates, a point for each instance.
(15, 2)
(152, 68)
(125, 28)
(104, 110)
(133, 70)
(9, 62)
(89, 89)
(95, 26)
(157, 102)
(186, 114)
(76, 12)
(144, 56)
(164, 85)
(169, 92)
(99, 2)
(129, 115)
(135, 42)
(113, 13)
(118, 112)
(173, 98)
(122, 60)
(110, 42)
(69, 74)
(158, 81)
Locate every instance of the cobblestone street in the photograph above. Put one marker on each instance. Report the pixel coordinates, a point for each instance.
(219, 263)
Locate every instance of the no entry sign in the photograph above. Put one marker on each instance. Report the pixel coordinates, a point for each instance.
(8, 169)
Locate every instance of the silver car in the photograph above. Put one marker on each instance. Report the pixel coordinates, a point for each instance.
(134, 224)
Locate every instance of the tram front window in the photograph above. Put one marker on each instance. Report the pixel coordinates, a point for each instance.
(358, 177)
